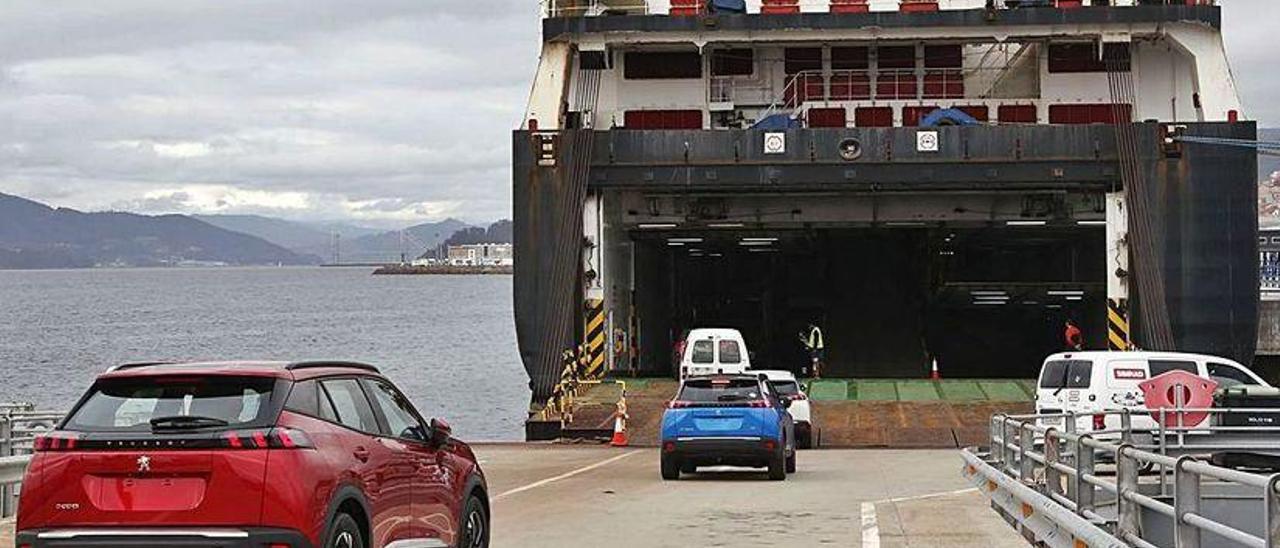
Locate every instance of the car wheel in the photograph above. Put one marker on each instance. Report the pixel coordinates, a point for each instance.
(344, 532)
(805, 441)
(791, 463)
(670, 468)
(778, 467)
(475, 525)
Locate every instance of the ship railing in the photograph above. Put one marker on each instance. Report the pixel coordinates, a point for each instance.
(20, 423)
(1064, 483)
(825, 86)
(593, 8)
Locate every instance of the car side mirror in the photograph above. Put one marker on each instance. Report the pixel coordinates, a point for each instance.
(440, 432)
(415, 433)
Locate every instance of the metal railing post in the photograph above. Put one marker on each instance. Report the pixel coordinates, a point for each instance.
(1126, 426)
(1009, 453)
(1129, 514)
(1070, 453)
(1186, 499)
(1084, 467)
(1052, 477)
(1026, 445)
(6, 449)
(1272, 499)
(997, 439)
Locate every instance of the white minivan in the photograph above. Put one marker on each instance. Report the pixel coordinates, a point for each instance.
(1089, 382)
(710, 351)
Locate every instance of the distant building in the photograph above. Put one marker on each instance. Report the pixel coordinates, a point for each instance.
(479, 255)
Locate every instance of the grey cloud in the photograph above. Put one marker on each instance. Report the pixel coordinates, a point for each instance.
(403, 103)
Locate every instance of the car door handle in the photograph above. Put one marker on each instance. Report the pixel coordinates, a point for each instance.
(361, 454)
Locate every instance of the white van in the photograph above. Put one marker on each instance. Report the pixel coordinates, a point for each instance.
(710, 351)
(1088, 382)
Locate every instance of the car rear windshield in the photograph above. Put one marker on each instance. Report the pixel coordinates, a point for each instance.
(785, 388)
(720, 390)
(152, 403)
(703, 351)
(1066, 374)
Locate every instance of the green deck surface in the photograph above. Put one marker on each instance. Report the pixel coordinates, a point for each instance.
(950, 390)
(1004, 390)
(874, 391)
(917, 391)
(829, 390)
(961, 390)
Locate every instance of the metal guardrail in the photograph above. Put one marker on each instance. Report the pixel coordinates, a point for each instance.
(20, 423)
(1057, 485)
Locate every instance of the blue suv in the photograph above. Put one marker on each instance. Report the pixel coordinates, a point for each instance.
(735, 420)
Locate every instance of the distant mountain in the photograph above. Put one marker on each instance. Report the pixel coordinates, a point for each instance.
(387, 246)
(33, 235)
(301, 237)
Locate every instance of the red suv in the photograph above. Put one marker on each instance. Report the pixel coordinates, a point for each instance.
(251, 454)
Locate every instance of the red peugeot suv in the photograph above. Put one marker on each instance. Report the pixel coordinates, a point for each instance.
(251, 454)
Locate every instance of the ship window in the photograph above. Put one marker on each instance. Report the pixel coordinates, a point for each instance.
(943, 56)
(662, 65)
(978, 112)
(850, 58)
(1017, 114)
(1089, 114)
(802, 59)
(663, 119)
(873, 117)
(897, 57)
(911, 116)
(733, 62)
(826, 117)
(1275, 239)
(1069, 58)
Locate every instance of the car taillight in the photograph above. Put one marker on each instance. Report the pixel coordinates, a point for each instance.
(54, 441)
(273, 438)
(770, 444)
(1099, 422)
(675, 404)
(669, 447)
(759, 403)
(798, 397)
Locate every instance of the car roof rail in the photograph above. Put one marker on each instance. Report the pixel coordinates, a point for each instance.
(135, 365)
(311, 364)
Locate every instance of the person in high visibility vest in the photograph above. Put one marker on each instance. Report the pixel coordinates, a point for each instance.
(813, 342)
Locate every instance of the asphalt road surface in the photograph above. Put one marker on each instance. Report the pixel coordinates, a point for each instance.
(562, 496)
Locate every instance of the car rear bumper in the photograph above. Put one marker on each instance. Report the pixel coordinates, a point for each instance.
(732, 451)
(183, 537)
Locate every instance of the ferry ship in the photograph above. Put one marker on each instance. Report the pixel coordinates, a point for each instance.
(926, 180)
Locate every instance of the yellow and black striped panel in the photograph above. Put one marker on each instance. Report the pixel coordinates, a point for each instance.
(1118, 324)
(595, 339)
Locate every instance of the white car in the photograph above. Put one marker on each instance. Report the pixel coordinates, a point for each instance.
(786, 385)
(714, 351)
(1089, 382)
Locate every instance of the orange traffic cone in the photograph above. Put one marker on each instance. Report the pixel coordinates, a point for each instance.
(620, 425)
(933, 373)
(619, 432)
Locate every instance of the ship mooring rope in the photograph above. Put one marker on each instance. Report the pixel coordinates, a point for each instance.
(1143, 238)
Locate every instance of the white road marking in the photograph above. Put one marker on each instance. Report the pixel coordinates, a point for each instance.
(565, 475)
(870, 529)
(870, 525)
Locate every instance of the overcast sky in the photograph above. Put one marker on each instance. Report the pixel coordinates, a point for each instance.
(383, 111)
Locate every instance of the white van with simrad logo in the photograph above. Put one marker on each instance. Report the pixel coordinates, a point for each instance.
(1092, 382)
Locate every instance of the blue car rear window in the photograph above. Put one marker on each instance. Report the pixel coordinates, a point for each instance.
(720, 390)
